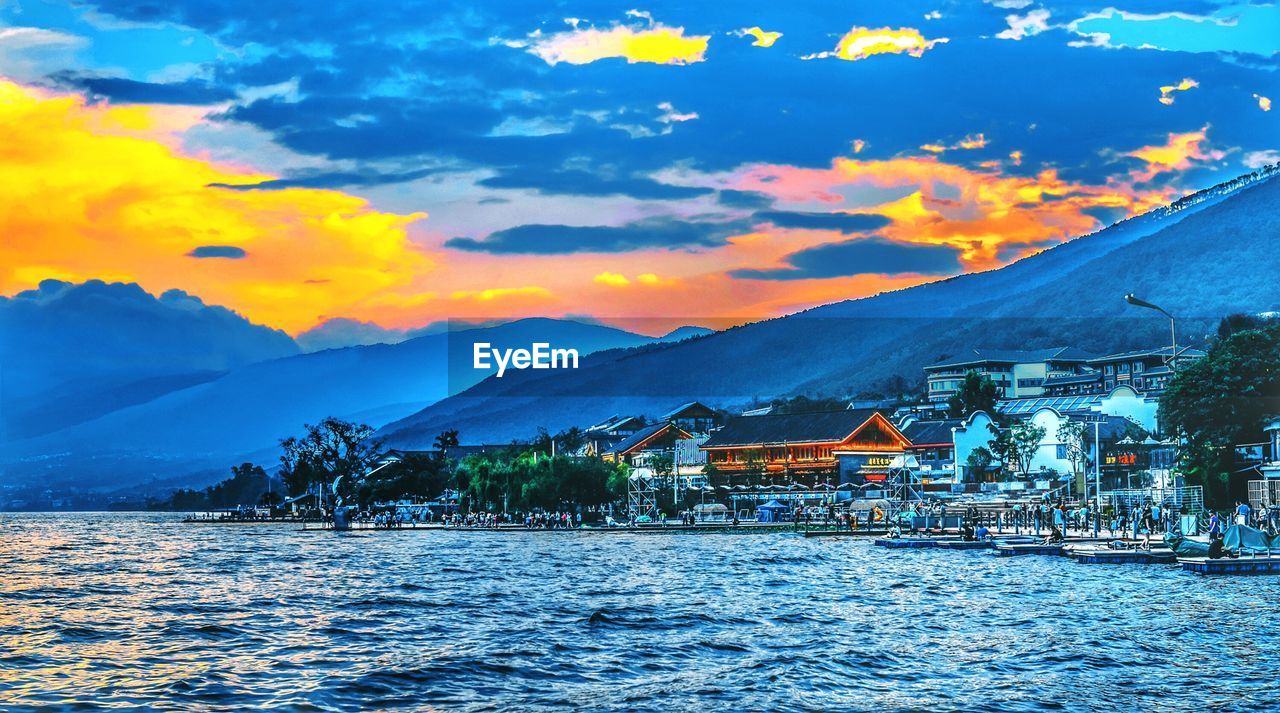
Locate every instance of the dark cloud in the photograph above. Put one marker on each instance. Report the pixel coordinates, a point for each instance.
(223, 251)
(443, 94)
(750, 200)
(584, 183)
(843, 222)
(191, 91)
(661, 233)
(873, 255)
(333, 179)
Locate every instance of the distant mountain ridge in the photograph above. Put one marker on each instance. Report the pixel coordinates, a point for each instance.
(1069, 294)
(71, 352)
(224, 417)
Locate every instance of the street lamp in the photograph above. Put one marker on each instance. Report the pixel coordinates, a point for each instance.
(1173, 332)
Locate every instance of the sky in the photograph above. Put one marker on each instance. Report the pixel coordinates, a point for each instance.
(394, 165)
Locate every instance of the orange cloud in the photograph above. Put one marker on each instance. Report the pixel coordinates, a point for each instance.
(1177, 154)
(972, 141)
(657, 44)
(862, 42)
(96, 191)
(763, 38)
(612, 279)
(1166, 93)
(978, 211)
(502, 293)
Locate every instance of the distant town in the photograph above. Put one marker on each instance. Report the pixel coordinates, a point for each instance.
(999, 425)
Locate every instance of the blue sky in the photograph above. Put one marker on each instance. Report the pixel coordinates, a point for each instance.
(564, 167)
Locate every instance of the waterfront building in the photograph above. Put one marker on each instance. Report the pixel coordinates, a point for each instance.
(603, 437)
(666, 439)
(1017, 373)
(967, 436)
(1121, 401)
(695, 417)
(815, 447)
(1146, 371)
(932, 442)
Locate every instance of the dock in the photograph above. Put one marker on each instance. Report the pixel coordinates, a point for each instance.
(1261, 564)
(1102, 555)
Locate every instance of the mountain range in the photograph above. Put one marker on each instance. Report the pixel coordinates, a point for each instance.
(106, 386)
(224, 395)
(1210, 254)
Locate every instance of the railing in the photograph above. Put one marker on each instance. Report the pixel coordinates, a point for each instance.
(1190, 496)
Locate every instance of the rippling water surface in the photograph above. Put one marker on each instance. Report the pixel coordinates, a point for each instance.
(129, 610)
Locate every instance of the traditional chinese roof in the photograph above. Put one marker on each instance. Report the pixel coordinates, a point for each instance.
(816, 427)
(637, 440)
(928, 433)
(693, 409)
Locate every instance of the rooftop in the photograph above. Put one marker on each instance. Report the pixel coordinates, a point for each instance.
(1014, 356)
(923, 433)
(1183, 353)
(817, 427)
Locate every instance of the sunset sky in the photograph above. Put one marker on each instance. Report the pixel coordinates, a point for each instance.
(404, 163)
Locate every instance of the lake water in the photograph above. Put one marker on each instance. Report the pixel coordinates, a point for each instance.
(139, 610)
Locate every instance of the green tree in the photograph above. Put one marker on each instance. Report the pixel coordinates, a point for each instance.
(979, 461)
(1017, 445)
(1222, 400)
(977, 393)
(662, 464)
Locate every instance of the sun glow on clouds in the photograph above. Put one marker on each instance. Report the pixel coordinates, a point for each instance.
(862, 42)
(970, 142)
(657, 44)
(97, 191)
(1263, 102)
(1178, 153)
(763, 38)
(975, 211)
(1166, 92)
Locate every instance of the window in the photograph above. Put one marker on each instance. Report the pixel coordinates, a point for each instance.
(1137, 367)
(1061, 451)
(1108, 385)
(1124, 368)
(1137, 381)
(1108, 370)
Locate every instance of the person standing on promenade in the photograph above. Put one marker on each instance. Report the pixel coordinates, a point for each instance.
(1242, 513)
(1148, 524)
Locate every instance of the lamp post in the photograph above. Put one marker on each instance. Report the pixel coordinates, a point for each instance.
(1173, 332)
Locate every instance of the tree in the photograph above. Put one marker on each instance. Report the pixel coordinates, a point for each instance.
(979, 461)
(1026, 437)
(1222, 400)
(570, 440)
(977, 393)
(1017, 445)
(445, 441)
(715, 476)
(1071, 435)
(330, 449)
(662, 465)
(753, 468)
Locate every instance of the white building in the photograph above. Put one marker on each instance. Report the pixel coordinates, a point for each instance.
(1018, 373)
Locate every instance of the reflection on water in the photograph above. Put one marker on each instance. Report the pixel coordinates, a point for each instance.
(120, 610)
